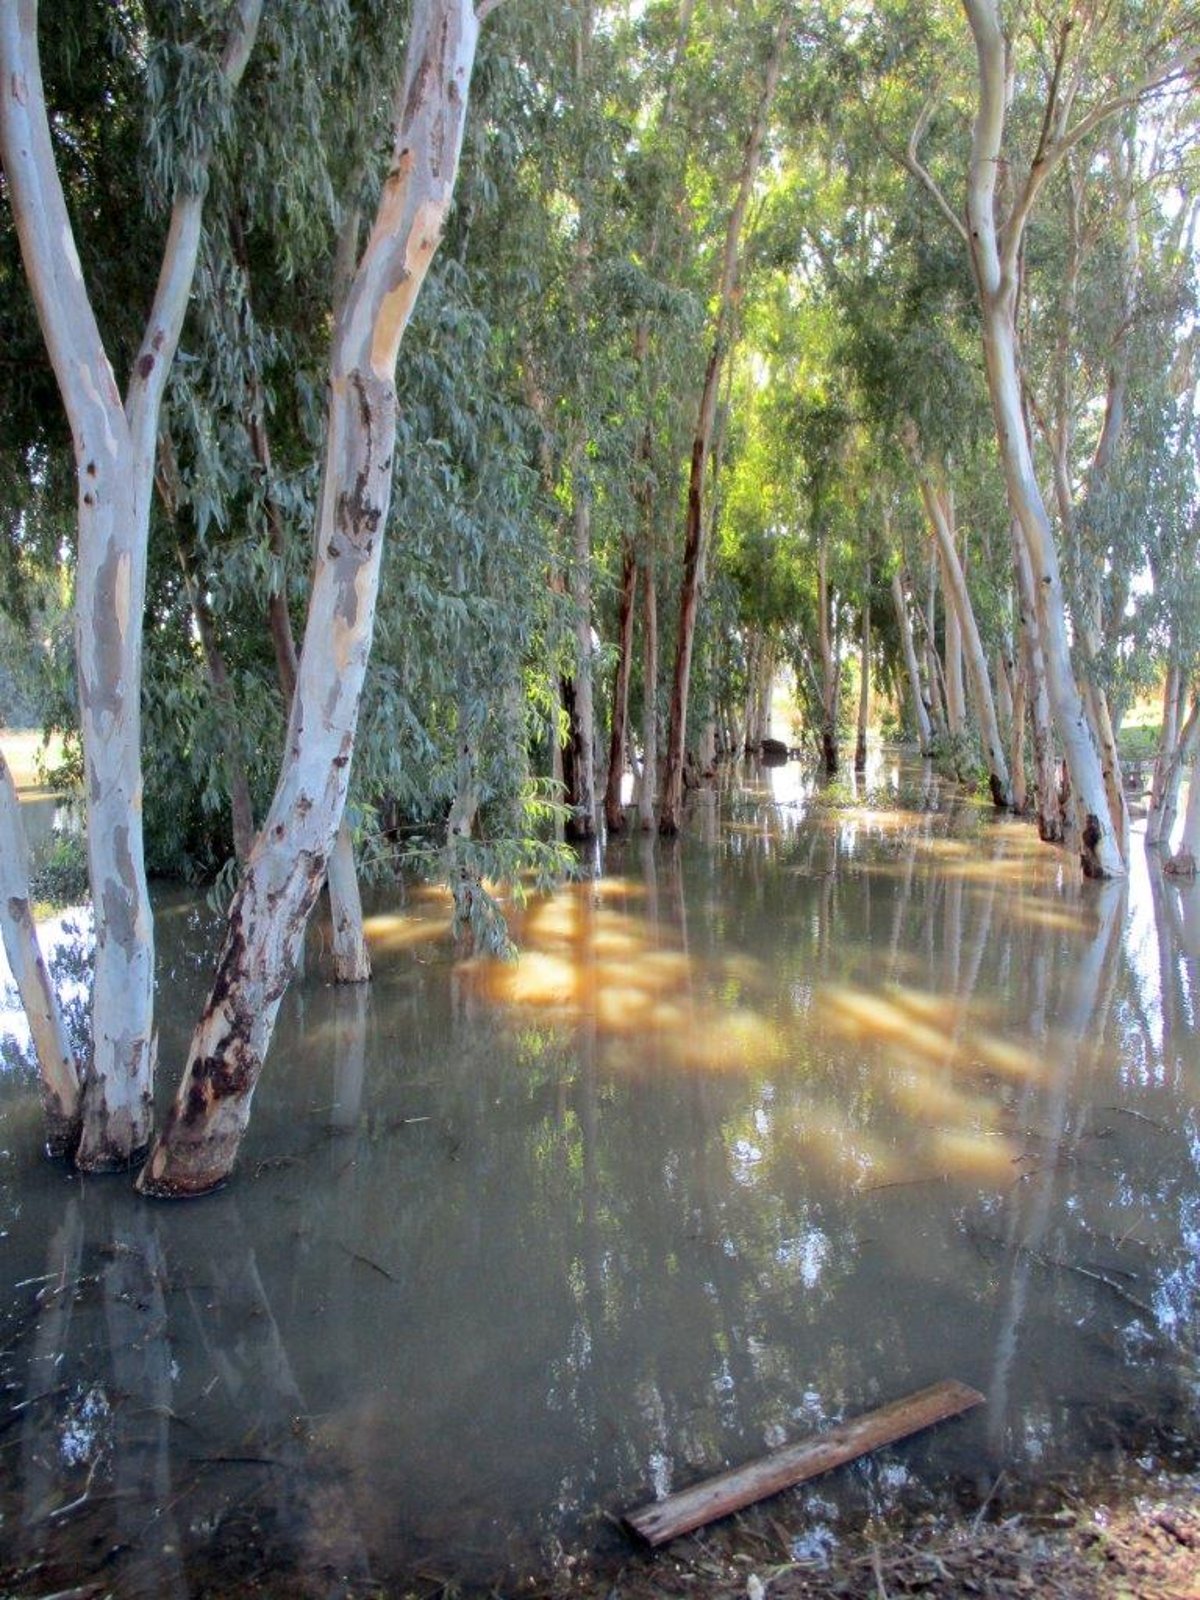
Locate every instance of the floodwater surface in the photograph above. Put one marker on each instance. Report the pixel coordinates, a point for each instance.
(825, 1102)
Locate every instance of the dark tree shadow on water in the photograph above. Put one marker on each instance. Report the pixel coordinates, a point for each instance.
(161, 1446)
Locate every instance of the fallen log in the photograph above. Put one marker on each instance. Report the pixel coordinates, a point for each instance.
(663, 1520)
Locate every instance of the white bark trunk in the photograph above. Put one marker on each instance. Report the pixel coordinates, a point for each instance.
(1167, 740)
(1183, 862)
(952, 665)
(199, 1143)
(940, 511)
(56, 1060)
(920, 709)
(1050, 824)
(351, 958)
(114, 448)
(996, 265)
(1187, 746)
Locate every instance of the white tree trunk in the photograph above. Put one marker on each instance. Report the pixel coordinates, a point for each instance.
(920, 709)
(952, 664)
(267, 919)
(1183, 862)
(57, 1069)
(1167, 739)
(939, 509)
(114, 448)
(351, 958)
(1161, 823)
(996, 266)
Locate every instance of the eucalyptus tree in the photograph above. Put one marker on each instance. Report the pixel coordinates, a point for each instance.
(114, 444)
(1089, 76)
(670, 810)
(267, 919)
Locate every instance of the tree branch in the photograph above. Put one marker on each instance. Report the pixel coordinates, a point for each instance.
(1055, 151)
(925, 178)
(165, 322)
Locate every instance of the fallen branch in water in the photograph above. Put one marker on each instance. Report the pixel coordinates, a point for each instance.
(663, 1520)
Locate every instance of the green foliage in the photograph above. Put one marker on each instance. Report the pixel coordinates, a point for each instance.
(60, 876)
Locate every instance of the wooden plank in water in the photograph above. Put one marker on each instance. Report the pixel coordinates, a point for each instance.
(663, 1520)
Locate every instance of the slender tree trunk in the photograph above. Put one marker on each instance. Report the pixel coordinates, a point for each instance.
(1167, 739)
(940, 510)
(830, 677)
(579, 762)
(996, 264)
(864, 687)
(57, 1068)
(920, 710)
(649, 791)
(670, 815)
(1017, 738)
(1161, 824)
(199, 1143)
(114, 447)
(614, 811)
(1050, 822)
(1183, 862)
(933, 666)
(952, 662)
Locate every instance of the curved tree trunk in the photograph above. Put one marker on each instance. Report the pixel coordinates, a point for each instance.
(57, 1068)
(996, 264)
(267, 919)
(114, 446)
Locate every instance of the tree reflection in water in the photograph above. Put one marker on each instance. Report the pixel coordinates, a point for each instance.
(836, 1099)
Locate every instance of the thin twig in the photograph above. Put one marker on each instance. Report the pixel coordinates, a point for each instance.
(367, 1262)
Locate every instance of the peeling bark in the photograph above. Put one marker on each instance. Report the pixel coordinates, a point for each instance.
(114, 446)
(198, 1145)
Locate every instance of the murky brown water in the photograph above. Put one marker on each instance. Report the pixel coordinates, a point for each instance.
(816, 1107)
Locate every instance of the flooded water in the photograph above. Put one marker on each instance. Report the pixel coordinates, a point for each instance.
(821, 1104)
